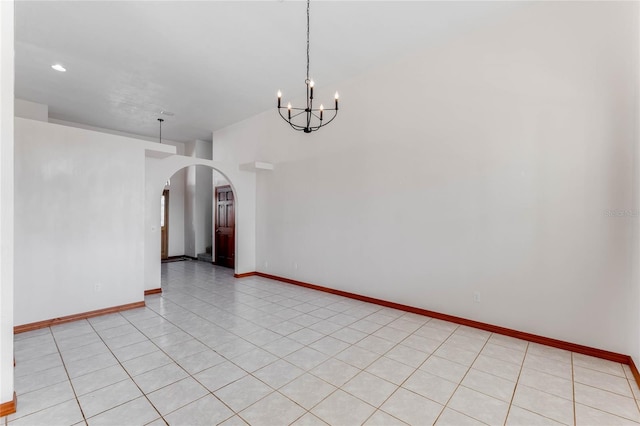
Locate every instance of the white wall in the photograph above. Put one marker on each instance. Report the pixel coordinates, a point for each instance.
(31, 110)
(176, 214)
(176, 197)
(198, 200)
(79, 227)
(204, 199)
(487, 164)
(6, 201)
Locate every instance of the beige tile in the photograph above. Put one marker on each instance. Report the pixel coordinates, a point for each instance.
(430, 386)
(433, 333)
(309, 420)
(479, 406)
(497, 367)
(278, 374)
(422, 343)
(106, 398)
(159, 377)
(451, 417)
(98, 379)
(489, 385)
(606, 401)
(306, 358)
(547, 383)
(136, 412)
(605, 381)
(177, 395)
(340, 408)
(555, 354)
(254, 360)
(335, 372)
(380, 418)
(456, 354)
(203, 412)
(65, 413)
(307, 390)
(544, 404)
(42, 398)
(358, 357)
(598, 364)
(412, 408)
(444, 368)
(514, 356)
(521, 417)
(540, 363)
(271, 410)
(591, 416)
(375, 344)
(406, 355)
(369, 388)
(508, 342)
(390, 370)
(467, 341)
(329, 345)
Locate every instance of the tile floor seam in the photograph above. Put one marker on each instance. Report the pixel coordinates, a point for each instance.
(515, 388)
(73, 389)
(446, 405)
(128, 374)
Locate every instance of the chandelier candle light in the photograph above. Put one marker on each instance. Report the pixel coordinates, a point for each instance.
(311, 118)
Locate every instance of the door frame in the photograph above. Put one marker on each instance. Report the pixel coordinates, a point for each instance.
(164, 235)
(215, 224)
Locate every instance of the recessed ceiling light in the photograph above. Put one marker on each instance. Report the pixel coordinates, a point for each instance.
(58, 67)
(167, 113)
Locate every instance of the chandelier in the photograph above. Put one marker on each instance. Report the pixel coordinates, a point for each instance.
(308, 119)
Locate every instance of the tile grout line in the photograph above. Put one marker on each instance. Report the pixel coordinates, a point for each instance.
(446, 405)
(515, 388)
(64, 364)
(125, 370)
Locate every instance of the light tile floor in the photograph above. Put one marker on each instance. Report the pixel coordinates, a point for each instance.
(217, 350)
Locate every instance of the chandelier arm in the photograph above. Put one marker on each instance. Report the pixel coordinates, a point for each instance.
(335, 114)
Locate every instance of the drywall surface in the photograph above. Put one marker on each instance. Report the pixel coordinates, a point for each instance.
(198, 200)
(79, 228)
(498, 163)
(176, 213)
(6, 201)
(31, 110)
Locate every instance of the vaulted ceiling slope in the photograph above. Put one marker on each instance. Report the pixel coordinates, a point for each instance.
(212, 63)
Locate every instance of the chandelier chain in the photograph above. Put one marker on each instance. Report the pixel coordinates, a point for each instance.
(311, 119)
(308, 3)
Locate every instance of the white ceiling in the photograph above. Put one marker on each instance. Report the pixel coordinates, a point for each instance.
(212, 63)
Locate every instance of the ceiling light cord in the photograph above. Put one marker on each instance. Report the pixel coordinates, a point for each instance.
(160, 120)
(308, 5)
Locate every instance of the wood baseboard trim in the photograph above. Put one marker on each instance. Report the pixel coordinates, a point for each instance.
(573, 347)
(75, 317)
(153, 291)
(246, 274)
(9, 407)
(634, 370)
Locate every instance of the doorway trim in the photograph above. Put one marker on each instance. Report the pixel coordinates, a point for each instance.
(243, 184)
(216, 247)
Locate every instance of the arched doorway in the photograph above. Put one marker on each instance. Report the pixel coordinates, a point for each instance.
(242, 183)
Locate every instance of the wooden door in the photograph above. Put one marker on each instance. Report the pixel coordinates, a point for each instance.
(164, 224)
(225, 232)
